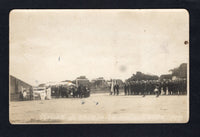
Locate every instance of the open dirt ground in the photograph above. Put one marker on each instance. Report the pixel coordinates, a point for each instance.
(102, 108)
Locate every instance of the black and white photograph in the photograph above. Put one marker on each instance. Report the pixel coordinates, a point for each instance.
(98, 66)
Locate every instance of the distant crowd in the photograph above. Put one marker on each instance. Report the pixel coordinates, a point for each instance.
(76, 92)
(152, 87)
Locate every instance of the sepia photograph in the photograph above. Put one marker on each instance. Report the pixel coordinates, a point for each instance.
(98, 66)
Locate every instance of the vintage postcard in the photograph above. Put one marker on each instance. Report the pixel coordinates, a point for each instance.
(98, 66)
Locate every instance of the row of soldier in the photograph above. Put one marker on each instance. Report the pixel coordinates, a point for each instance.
(174, 87)
(62, 91)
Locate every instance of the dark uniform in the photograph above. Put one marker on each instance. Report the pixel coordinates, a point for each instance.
(143, 87)
(164, 86)
(159, 87)
(175, 88)
(84, 91)
(151, 87)
(148, 88)
(125, 89)
(157, 90)
(131, 88)
(134, 92)
(114, 89)
(137, 87)
(62, 91)
(184, 87)
(170, 88)
(79, 92)
(117, 88)
(56, 92)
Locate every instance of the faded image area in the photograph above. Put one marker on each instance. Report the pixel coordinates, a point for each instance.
(98, 66)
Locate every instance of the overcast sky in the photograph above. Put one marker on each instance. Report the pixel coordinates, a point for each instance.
(56, 45)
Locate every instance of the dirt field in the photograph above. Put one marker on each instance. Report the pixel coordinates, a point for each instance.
(102, 108)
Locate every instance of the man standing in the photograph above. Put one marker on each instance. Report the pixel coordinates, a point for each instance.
(114, 89)
(185, 87)
(79, 91)
(125, 89)
(111, 87)
(117, 88)
(164, 87)
(48, 92)
(170, 87)
(131, 87)
(156, 90)
(159, 88)
(136, 88)
(31, 93)
(144, 88)
(24, 94)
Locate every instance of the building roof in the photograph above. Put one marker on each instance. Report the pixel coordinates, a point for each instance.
(11, 76)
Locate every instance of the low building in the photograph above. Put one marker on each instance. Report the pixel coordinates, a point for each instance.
(99, 83)
(16, 86)
(82, 80)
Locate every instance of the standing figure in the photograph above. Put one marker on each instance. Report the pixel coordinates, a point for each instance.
(130, 88)
(79, 91)
(156, 90)
(114, 89)
(48, 90)
(170, 87)
(136, 88)
(117, 88)
(125, 89)
(164, 85)
(56, 91)
(144, 88)
(84, 91)
(159, 87)
(31, 93)
(111, 87)
(24, 95)
(151, 87)
(141, 88)
(185, 87)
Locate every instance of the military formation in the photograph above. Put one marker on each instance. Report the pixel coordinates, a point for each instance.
(154, 87)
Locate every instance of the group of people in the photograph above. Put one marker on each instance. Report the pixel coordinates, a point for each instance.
(26, 94)
(115, 89)
(81, 91)
(76, 92)
(152, 87)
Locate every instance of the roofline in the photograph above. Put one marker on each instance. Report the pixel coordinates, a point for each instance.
(21, 80)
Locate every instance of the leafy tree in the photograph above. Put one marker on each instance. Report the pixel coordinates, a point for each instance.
(180, 71)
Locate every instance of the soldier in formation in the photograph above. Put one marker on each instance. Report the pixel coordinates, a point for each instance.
(116, 89)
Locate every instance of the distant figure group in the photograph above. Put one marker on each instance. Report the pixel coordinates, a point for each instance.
(154, 87)
(115, 89)
(80, 92)
(26, 94)
(76, 92)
